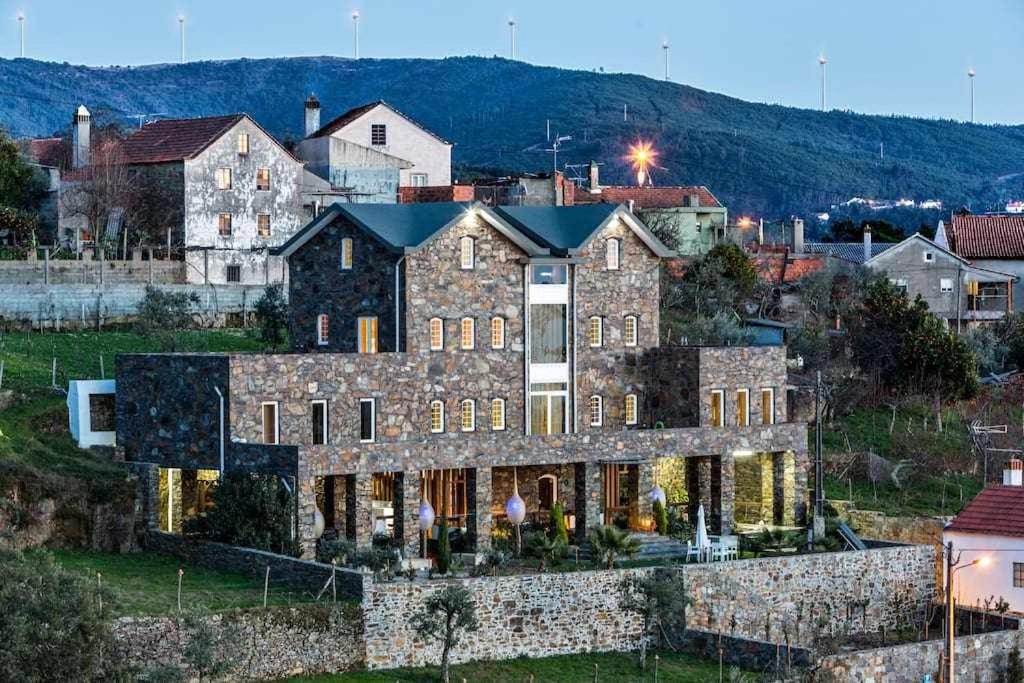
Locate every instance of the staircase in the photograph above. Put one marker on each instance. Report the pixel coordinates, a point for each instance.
(652, 547)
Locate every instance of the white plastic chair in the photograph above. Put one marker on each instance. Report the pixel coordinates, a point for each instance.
(692, 551)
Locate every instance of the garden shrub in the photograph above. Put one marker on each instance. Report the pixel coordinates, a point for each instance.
(444, 548)
(559, 531)
(660, 517)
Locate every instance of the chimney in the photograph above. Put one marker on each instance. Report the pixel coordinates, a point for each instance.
(798, 235)
(80, 133)
(595, 184)
(1013, 475)
(867, 242)
(312, 115)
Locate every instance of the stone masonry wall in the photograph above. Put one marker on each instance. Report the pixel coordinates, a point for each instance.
(750, 367)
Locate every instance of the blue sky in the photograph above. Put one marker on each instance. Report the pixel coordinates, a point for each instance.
(885, 56)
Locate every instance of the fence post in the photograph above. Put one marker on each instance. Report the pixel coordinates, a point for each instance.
(334, 579)
(99, 589)
(102, 259)
(102, 373)
(266, 586)
(181, 573)
(46, 265)
(150, 265)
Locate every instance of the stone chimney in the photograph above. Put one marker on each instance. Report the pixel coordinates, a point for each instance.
(81, 130)
(594, 179)
(1013, 475)
(867, 242)
(798, 235)
(312, 115)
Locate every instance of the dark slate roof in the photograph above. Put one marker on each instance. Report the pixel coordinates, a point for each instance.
(997, 510)
(849, 251)
(351, 115)
(402, 226)
(563, 228)
(987, 237)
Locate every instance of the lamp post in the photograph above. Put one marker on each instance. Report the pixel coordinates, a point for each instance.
(952, 567)
(515, 510)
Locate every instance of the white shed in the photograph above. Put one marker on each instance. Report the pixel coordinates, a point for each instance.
(91, 412)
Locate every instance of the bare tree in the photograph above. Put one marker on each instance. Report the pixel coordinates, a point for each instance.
(98, 190)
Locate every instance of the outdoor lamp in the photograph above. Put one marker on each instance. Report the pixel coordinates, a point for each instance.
(515, 510)
(318, 523)
(657, 494)
(426, 515)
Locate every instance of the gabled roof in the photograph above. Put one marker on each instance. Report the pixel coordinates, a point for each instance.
(170, 140)
(997, 236)
(997, 511)
(47, 151)
(356, 113)
(650, 197)
(848, 251)
(566, 230)
(406, 228)
(879, 259)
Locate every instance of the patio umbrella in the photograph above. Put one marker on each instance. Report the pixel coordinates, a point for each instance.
(702, 541)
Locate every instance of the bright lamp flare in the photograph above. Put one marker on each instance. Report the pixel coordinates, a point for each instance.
(641, 156)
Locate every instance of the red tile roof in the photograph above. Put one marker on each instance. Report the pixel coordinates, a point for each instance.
(780, 269)
(48, 151)
(987, 237)
(648, 197)
(798, 268)
(174, 139)
(997, 511)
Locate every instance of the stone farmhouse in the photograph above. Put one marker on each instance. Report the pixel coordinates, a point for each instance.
(452, 352)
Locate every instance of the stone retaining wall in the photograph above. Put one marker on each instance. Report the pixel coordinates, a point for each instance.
(747, 653)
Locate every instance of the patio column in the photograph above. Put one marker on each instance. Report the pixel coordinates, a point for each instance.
(305, 511)
(641, 480)
(358, 508)
(800, 463)
(723, 484)
(588, 498)
(408, 490)
(769, 481)
(480, 494)
(698, 486)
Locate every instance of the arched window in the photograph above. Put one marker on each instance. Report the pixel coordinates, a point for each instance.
(547, 491)
(612, 256)
(596, 406)
(595, 330)
(629, 330)
(630, 409)
(323, 328)
(436, 334)
(437, 417)
(467, 333)
(467, 253)
(346, 254)
(498, 414)
(497, 332)
(467, 415)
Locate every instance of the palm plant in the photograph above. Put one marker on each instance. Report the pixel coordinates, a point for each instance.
(608, 543)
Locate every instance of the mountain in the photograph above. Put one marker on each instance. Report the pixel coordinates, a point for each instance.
(764, 159)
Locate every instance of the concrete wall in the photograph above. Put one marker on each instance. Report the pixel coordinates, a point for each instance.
(1013, 268)
(91, 272)
(372, 176)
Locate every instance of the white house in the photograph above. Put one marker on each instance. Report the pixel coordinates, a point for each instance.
(991, 527)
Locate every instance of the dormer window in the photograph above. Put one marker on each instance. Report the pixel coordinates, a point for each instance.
(467, 253)
(612, 255)
(345, 260)
(378, 134)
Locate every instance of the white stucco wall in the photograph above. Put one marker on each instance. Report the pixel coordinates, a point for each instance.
(79, 417)
(976, 584)
(405, 140)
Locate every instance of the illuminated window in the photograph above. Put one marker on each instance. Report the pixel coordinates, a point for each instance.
(319, 422)
(767, 406)
(368, 335)
(270, 430)
(367, 420)
(262, 178)
(595, 331)
(742, 408)
(345, 261)
(436, 334)
(467, 253)
(263, 224)
(468, 415)
(323, 326)
(497, 333)
(1018, 574)
(498, 414)
(717, 408)
(612, 256)
(224, 225)
(223, 178)
(243, 143)
(596, 406)
(631, 416)
(467, 333)
(437, 416)
(378, 134)
(629, 331)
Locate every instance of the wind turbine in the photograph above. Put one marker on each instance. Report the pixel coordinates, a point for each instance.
(355, 34)
(181, 26)
(822, 61)
(21, 30)
(512, 38)
(971, 73)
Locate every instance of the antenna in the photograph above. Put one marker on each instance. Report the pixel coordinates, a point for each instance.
(664, 47)
(21, 31)
(823, 62)
(146, 117)
(355, 34)
(511, 38)
(181, 26)
(555, 146)
(971, 73)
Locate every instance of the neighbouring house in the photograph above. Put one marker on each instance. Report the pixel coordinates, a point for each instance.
(372, 152)
(991, 526)
(992, 241)
(528, 189)
(956, 290)
(853, 252)
(449, 354)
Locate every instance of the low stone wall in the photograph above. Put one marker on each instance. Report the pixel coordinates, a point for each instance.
(747, 653)
(877, 525)
(979, 659)
(296, 574)
(256, 644)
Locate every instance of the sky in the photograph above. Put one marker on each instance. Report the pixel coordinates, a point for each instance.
(905, 57)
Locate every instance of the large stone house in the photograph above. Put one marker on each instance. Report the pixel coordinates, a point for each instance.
(450, 352)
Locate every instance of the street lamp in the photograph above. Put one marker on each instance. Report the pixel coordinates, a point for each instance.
(952, 567)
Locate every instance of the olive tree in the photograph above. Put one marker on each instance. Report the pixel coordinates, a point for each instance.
(445, 617)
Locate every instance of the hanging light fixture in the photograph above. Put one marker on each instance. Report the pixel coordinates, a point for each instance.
(318, 522)
(515, 510)
(657, 493)
(427, 517)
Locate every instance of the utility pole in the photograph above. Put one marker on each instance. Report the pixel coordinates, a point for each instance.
(21, 31)
(181, 27)
(355, 34)
(819, 479)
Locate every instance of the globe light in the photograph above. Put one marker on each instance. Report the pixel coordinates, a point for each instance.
(515, 508)
(657, 494)
(426, 515)
(318, 523)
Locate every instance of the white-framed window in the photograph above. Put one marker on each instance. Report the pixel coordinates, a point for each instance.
(467, 334)
(497, 332)
(436, 334)
(768, 406)
(418, 179)
(263, 179)
(367, 328)
(899, 283)
(345, 257)
(717, 408)
(742, 407)
(271, 430)
(243, 144)
(595, 406)
(946, 284)
(263, 225)
(436, 417)
(224, 224)
(223, 178)
(595, 330)
(630, 330)
(378, 134)
(929, 256)
(467, 415)
(367, 420)
(613, 257)
(323, 329)
(320, 428)
(467, 253)
(498, 414)
(631, 409)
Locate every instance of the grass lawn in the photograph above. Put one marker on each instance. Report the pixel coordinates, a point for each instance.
(618, 667)
(144, 583)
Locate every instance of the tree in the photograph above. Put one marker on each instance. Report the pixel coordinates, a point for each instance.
(21, 225)
(446, 616)
(164, 314)
(559, 532)
(272, 312)
(22, 187)
(251, 510)
(1014, 667)
(607, 543)
(100, 189)
(660, 517)
(661, 600)
(51, 623)
(444, 547)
